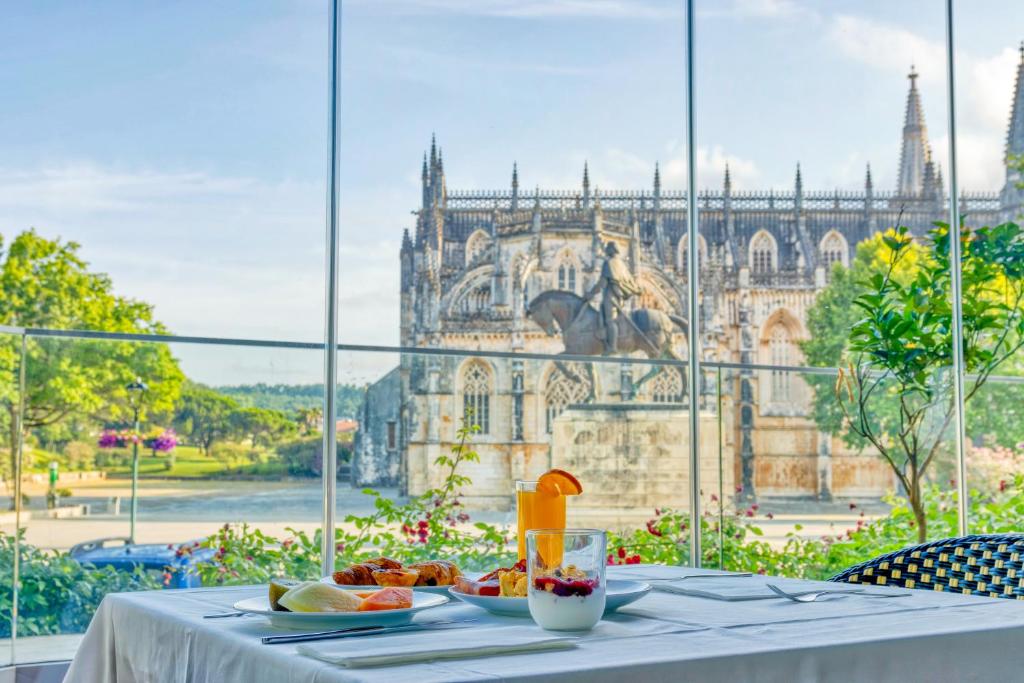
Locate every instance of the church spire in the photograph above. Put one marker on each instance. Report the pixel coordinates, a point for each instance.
(799, 189)
(586, 186)
(915, 152)
(1015, 133)
(657, 187)
(728, 180)
(515, 187)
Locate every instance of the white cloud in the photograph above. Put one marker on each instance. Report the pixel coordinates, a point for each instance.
(888, 47)
(216, 255)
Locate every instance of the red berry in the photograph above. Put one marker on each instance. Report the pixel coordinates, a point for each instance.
(622, 552)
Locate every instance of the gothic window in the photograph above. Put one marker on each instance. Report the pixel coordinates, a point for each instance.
(476, 396)
(666, 387)
(476, 245)
(567, 273)
(778, 344)
(562, 391)
(763, 257)
(392, 435)
(833, 250)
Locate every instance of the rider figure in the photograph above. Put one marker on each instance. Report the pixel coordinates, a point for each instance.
(617, 286)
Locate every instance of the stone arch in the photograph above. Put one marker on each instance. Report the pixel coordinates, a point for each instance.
(834, 248)
(477, 245)
(472, 294)
(561, 391)
(764, 253)
(781, 390)
(682, 258)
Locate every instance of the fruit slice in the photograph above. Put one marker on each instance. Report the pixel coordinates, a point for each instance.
(279, 587)
(559, 483)
(314, 596)
(388, 598)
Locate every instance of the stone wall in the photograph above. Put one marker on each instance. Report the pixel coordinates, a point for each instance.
(376, 456)
(633, 458)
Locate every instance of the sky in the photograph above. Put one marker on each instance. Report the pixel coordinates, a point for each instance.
(183, 145)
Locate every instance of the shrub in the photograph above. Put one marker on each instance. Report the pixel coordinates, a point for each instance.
(304, 457)
(234, 454)
(58, 595)
(81, 455)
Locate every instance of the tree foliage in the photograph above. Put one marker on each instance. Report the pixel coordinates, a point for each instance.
(895, 389)
(46, 284)
(204, 416)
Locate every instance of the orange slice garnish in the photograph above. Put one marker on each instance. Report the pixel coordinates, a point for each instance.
(559, 483)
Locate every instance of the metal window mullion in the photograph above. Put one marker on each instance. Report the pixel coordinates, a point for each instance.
(19, 446)
(329, 457)
(693, 272)
(956, 286)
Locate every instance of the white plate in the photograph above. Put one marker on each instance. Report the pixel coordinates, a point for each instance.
(390, 617)
(619, 594)
(437, 590)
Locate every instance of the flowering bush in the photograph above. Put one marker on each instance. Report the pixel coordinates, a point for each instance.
(434, 525)
(164, 442)
(117, 438)
(426, 527)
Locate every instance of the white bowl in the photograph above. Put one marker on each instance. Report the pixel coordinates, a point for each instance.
(619, 593)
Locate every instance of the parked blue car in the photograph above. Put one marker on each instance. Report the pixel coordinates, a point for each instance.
(160, 557)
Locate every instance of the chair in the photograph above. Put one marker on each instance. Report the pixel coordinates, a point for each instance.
(990, 565)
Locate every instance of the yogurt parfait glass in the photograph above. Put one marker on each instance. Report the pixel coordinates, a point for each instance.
(566, 588)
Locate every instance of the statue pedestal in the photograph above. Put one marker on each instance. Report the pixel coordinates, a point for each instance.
(633, 458)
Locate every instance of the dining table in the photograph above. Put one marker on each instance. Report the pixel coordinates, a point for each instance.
(694, 625)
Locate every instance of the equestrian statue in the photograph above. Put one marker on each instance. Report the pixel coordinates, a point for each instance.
(609, 330)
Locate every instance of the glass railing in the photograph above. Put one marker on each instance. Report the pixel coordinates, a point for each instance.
(228, 489)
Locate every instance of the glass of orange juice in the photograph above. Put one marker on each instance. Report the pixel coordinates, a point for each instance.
(537, 510)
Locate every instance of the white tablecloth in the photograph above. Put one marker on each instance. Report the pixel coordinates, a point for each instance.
(928, 636)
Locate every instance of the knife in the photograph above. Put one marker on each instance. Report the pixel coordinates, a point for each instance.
(361, 631)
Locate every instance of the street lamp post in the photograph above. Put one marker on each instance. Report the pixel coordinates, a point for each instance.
(135, 391)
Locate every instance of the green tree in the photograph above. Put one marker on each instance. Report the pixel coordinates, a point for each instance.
(46, 284)
(204, 416)
(262, 426)
(895, 391)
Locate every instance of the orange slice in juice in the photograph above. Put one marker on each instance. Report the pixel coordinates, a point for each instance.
(559, 483)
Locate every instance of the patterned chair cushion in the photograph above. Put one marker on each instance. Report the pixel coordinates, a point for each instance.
(990, 565)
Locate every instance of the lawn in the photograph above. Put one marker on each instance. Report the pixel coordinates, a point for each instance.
(190, 463)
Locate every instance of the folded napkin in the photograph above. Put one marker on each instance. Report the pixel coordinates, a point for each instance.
(717, 592)
(429, 646)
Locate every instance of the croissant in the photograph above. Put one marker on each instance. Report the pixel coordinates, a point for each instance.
(356, 575)
(435, 573)
(385, 563)
(396, 577)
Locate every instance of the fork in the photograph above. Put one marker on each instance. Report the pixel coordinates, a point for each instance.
(812, 596)
(222, 615)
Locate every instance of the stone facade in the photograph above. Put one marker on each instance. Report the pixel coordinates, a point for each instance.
(475, 260)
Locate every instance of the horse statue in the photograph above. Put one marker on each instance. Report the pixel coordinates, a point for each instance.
(645, 329)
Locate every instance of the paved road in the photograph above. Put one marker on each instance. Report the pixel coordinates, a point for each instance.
(176, 511)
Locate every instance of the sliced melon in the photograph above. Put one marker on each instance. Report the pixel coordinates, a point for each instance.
(314, 596)
(279, 587)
